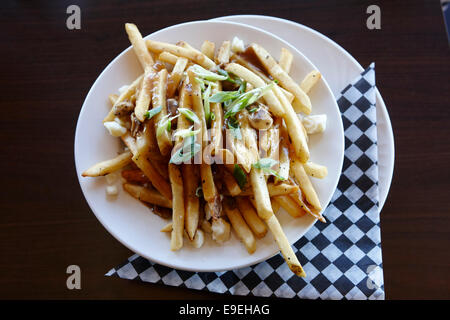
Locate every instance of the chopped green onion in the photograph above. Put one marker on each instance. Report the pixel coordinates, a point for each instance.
(165, 124)
(240, 176)
(188, 151)
(247, 99)
(266, 165)
(206, 106)
(153, 112)
(206, 74)
(213, 116)
(223, 96)
(188, 113)
(184, 133)
(199, 192)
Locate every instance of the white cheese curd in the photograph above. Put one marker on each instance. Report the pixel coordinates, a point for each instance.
(111, 178)
(237, 45)
(220, 230)
(122, 89)
(115, 129)
(315, 123)
(199, 239)
(112, 191)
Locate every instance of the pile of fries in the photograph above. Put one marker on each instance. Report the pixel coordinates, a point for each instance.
(215, 141)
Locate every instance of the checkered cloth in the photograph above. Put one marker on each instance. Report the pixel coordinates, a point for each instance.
(342, 257)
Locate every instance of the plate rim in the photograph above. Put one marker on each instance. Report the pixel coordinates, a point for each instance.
(167, 263)
(390, 134)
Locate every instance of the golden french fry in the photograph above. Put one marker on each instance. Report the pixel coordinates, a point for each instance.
(113, 98)
(305, 184)
(310, 81)
(147, 195)
(208, 49)
(108, 166)
(284, 160)
(130, 142)
(272, 102)
(168, 57)
(167, 227)
(191, 180)
(216, 123)
(145, 97)
(301, 101)
(176, 181)
(159, 100)
(288, 204)
(239, 226)
(286, 58)
(315, 170)
(298, 198)
(275, 189)
(139, 47)
(193, 55)
(175, 76)
(275, 206)
(294, 126)
(251, 217)
(223, 56)
(231, 184)
(285, 248)
(153, 175)
(124, 96)
(261, 194)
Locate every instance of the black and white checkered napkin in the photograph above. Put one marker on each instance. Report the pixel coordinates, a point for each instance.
(342, 258)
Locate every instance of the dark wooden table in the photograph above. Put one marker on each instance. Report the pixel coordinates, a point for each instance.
(46, 71)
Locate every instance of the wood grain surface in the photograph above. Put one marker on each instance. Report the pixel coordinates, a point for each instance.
(46, 71)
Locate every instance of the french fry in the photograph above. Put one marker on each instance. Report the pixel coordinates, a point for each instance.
(294, 126)
(113, 98)
(193, 55)
(176, 181)
(175, 76)
(108, 166)
(272, 102)
(168, 57)
(130, 142)
(147, 195)
(208, 49)
(167, 227)
(191, 180)
(305, 184)
(139, 46)
(285, 248)
(310, 81)
(286, 59)
(275, 189)
(298, 198)
(251, 217)
(275, 206)
(216, 123)
(159, 100)
(315, 170)
(126, 95)
(134, 176)
(284, 160)
(301, 101)
(261, 194)
(153, 175)
(239, 226)
(231, 184)
(288, 204)
(223, 56)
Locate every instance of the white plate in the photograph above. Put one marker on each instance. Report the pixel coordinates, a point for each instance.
(131, 222)
(339, 68)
